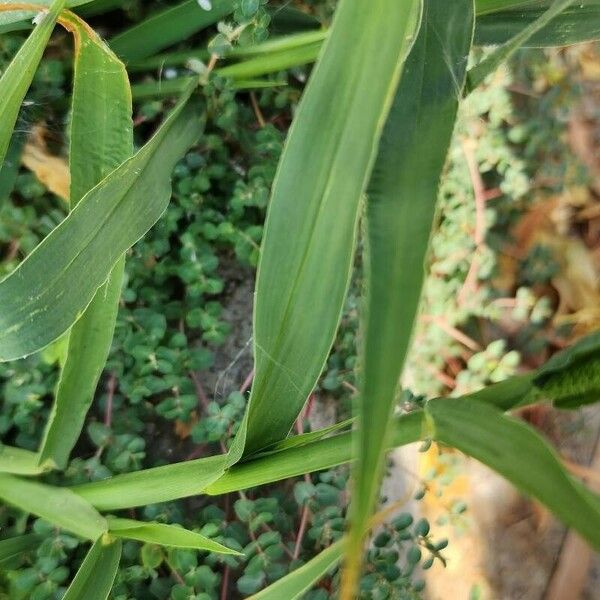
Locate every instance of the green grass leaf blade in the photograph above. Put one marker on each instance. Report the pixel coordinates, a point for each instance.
(162, 484)
(97, 573)
(578, 23)
(269, 47)
(59, 506)
(101, 111)
(221, 474)
(9, 169)
(515, 451)
(299, 581)
(18, 76)
(165, 535)
(485, 7)
(168, 27)
(12, 548)
(272, 63)
(316, 456)
(479, 72)
(316, 195)
(105, 223)
(401, 205)
(19, 462)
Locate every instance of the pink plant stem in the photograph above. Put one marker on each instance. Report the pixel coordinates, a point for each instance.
(225, 585)
(247, 382)
(301, 531)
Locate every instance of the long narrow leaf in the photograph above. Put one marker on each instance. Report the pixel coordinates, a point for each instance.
(316, 456)
(310, 230)
(239, 72)
(57, 505)
(12, 548)
(484, 7)
(477, 74)
(17, 77)
(162, 484)
(97, 573)
(517, 452)
(401, 205)
(299, 581)
(580, 22)
(19, 462)
(9, 169)
(165, 535)
(168, 27)
(212, 475)
(79, 254)
(101, 136)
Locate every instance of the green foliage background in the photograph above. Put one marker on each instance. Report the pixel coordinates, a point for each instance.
(152, 407)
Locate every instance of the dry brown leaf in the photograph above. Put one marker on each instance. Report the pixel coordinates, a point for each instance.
(183, 429)
(52, 171)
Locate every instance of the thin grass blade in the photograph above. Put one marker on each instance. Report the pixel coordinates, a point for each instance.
(59, 506)
(167, 27)
(485, 7)
(310, 232)
(162, 484)
(316, 456)
(97, 573)
(579, 23)
(101, 138)
(165, 535)
(12, 548)
(18, 76)
(80, 253)
(9, 169)
(19, 462)
(299, 581)
(478, 73)
(515, 451)
(401, 205)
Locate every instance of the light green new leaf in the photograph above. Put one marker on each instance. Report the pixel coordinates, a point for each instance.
(241, 72)
(162, 484)
(272, 63)
(401, 205)
(578, 23)
(310, 230)
(97, 573)
(14, 547)
(517, 452)
(478, 73)
(53, 286)
(60, 506)
(165, 535)
(269, 47)
(168, 27)
(101, 138)
(18, 461)
(299, 581)
(17, 77)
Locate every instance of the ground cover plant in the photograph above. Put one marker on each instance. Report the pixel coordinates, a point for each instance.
(370, 135)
